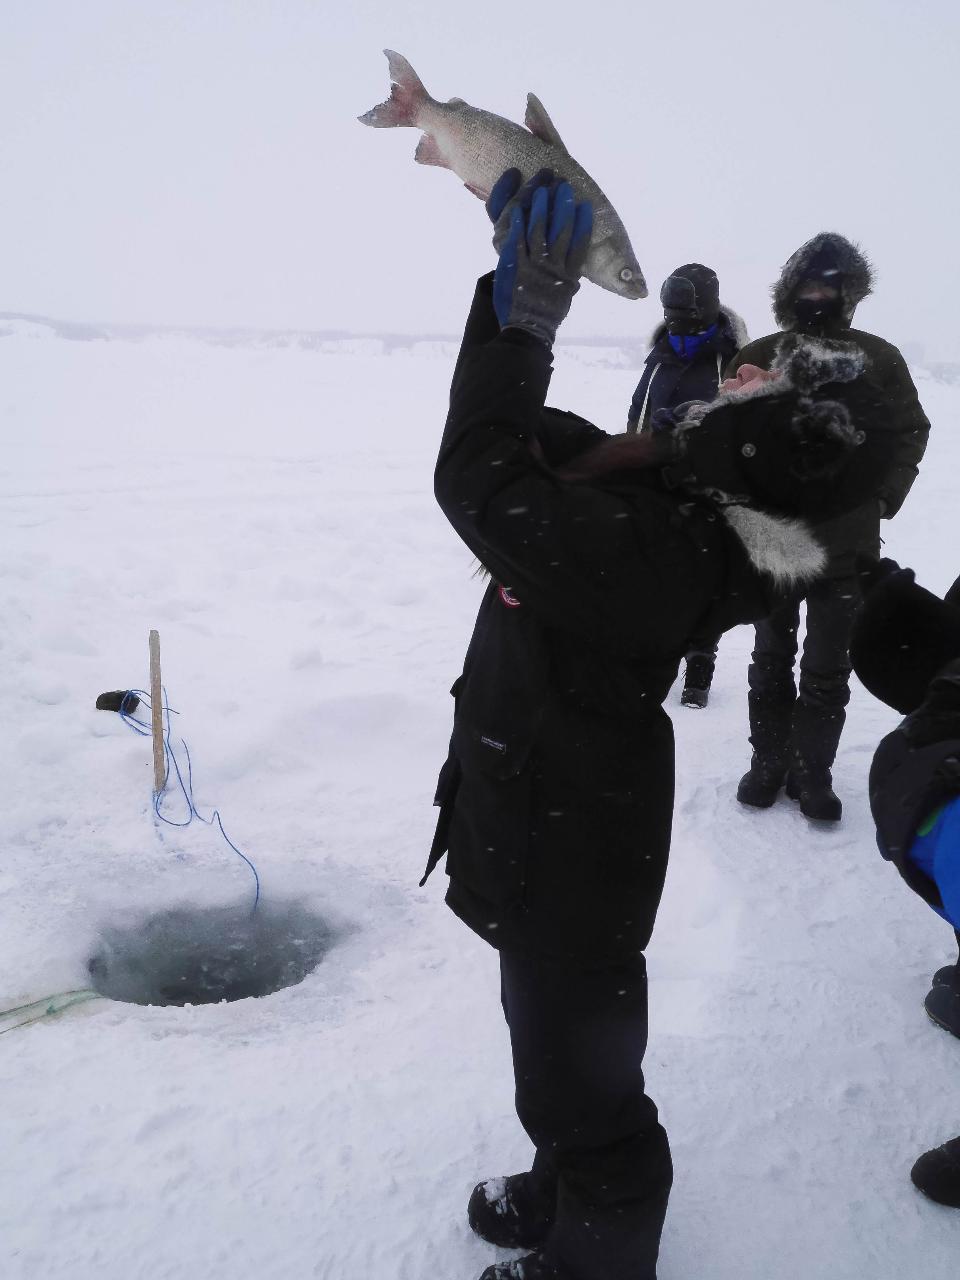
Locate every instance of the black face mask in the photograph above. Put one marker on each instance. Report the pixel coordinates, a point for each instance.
(683, 323)
(811, 311)
(690, 302)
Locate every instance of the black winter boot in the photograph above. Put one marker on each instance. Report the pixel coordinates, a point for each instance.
(697, 680)
(507, 1212)
(948, 976)
(818, 719)
(531, 1267)
(943, 1007)
(760, 785)
(770, 701)
(818, 800)
(937, 1174)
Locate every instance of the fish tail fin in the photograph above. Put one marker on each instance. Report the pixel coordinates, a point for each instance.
(407, 97)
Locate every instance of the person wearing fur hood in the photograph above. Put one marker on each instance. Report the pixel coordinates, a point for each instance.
(698, 336)
(795, 728)
(604, 555)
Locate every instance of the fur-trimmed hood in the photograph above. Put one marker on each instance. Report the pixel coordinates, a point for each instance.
(784, 450)
(803, 365)
(730, 324)
(780, 548)
(856, 271)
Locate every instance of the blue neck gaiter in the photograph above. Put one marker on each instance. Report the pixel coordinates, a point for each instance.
(687, 346)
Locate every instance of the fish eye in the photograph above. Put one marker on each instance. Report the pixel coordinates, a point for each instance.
(626, 275)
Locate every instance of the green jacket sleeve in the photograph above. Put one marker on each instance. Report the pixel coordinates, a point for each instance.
(912, 428)
(761, 353)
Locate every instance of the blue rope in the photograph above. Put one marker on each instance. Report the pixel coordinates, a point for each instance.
(186, 785)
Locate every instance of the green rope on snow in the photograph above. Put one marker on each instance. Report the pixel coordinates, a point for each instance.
(46, 1007)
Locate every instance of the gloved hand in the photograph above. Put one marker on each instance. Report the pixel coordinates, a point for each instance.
(542, 236)
(872, 571)
(504, 189)
(937, 719)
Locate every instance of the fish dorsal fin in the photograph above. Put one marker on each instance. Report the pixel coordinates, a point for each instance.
(540, 124)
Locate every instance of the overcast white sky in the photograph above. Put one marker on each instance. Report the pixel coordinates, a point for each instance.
(199, 161)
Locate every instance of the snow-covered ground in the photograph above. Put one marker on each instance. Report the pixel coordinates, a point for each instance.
(270, 512)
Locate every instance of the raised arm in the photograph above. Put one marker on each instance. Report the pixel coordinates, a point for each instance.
(577, 553)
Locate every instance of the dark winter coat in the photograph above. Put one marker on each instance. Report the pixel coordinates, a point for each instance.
(557, 796)
(905, 649)
(886, 376)
(915, 770)
(668, 380)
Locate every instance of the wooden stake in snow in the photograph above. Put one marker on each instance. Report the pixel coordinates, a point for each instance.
(156, 714)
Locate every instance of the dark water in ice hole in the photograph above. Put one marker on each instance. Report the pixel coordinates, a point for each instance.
(193, 955)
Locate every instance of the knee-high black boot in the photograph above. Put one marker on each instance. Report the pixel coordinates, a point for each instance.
(818, 720)
(771, 698)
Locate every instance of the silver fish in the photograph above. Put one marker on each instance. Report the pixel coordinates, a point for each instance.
(478, 146)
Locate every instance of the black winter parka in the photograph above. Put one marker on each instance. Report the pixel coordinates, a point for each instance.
(886, 371)
(916, 769)
(557, 795)
(885, 380)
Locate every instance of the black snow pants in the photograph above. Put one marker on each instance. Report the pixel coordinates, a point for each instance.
(798, 725)
(602, 1157)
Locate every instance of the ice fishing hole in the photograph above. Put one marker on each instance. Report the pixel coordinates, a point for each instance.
(192, 955)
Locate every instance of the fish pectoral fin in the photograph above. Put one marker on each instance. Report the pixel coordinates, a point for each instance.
(481, 195)
(540, 124)
(428, 152)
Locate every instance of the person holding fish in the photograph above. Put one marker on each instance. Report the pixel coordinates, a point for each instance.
(604, 555)
(689, 349)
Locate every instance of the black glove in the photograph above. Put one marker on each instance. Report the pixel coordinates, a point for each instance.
(871, 571)
(938, 717)
(542, 236)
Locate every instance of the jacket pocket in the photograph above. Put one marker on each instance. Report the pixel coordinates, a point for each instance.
(489, 831)
(490, 751)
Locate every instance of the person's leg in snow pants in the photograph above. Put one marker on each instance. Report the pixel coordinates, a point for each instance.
(801, 727)
(578, 1041)
(824, 685)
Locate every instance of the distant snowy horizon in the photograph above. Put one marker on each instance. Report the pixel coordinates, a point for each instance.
(625, 349)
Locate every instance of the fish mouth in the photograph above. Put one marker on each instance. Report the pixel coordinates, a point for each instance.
(633, 289)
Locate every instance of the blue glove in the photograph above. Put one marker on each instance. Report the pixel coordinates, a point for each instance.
(542, 236)
(504, 189)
